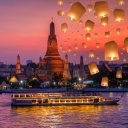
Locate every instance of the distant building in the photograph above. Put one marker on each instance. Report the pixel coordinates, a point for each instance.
(66, 73)
(28, 62)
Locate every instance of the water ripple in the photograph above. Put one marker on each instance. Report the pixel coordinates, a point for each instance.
(114, 116)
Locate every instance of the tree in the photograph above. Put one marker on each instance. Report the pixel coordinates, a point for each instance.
(34, 83)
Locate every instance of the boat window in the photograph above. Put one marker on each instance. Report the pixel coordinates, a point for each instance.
(56, 100)
(90, 100)
(22, 95)
(73, 100)
(16, 95)
(28, 95)
(33, 101)
(67, 100)
(79, 100)
(62, 100)
(85, 100)
(96, 100)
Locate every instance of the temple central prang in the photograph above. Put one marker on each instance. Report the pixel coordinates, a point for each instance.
(52, 61)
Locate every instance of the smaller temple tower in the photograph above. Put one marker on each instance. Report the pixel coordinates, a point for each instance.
(81, 70)
(18, 69)
(66, 73)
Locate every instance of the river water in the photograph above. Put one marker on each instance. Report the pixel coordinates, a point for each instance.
(108, 116)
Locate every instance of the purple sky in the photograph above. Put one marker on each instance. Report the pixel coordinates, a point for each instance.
(24, 28)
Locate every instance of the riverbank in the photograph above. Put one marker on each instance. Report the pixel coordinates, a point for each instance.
(65, 90)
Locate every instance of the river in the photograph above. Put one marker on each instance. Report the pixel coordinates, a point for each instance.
(111, 116)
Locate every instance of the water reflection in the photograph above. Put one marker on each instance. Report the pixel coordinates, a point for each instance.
(64, 116)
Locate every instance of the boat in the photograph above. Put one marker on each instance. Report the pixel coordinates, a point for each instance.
(57, 99)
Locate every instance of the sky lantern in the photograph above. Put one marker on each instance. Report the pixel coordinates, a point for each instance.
(119, 15)
(89, 25)
(124, 59)
(74, 54)
(60, 13)
(93, 68)
(111, 51)
(84, 45)
(107, 34)
(119, 74)
(76, 11)
(126, 44)
(96, 34)
(76, 47)
(102, 9)
(95, 15)
(63, 51)
(61, 46)
(104, 81)
(81, 21)
(60, 2)
(89, 8)
(88, 36)
(91, 54)
(70, 3)
(97, 45)
(64, 27)
(104, 21)
(69, 49)
(97, 57)
(118, 31)
(120, 2)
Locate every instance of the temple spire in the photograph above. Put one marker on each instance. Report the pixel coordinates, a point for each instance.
(81, 60)
(18, 69)
(52, 29)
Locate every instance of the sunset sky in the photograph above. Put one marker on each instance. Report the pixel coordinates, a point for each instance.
(24, 28)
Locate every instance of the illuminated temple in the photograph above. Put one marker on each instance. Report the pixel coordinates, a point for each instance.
(52, 62)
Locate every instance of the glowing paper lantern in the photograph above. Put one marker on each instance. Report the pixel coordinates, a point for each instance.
(93, 68)
(124, 59)
(126, 44)
(75, 40)
(91, 54)
(64, 27)
(61, 13)
(84, 45)
(120, 2)
(69, 49)
(107, 34)
(74, 54)
(88, 36)
(97, 57)
(111, 51)
(119, 74)
(118, 31)
(70, 3)
(89, 25)
(119, 15)
(63, 51)
(104, 21)
(97, 45)
(60, 2)
(101, 8)
(76, 47)
(61, 46)
(76, 11)
(81, 21)
(104, 81)
(96, 34)
(89, 8)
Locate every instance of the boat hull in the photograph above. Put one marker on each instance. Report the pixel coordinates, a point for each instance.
(114, 102)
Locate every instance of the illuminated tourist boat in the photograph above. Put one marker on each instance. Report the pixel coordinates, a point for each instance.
(49, 99)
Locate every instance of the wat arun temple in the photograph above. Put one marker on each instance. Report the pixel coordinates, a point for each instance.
(52, 61)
